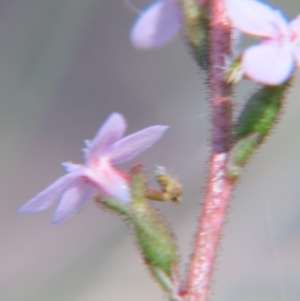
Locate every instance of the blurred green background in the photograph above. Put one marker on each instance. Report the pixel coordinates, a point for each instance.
(65, 65)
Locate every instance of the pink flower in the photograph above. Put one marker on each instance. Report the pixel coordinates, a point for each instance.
(272, 61)
(156, 25)
(76, 188)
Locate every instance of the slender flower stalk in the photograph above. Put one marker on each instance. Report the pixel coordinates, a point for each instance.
(219, 187)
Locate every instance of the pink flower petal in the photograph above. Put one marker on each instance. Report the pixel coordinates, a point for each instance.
(70, 166)
(111, 131)
(157, 25)
(256, 18)
(73, 200)
(295, 38)
(297, 55)
(133, 145)
(50, 195)
(268, 63)
(295, 27)
(109, 180)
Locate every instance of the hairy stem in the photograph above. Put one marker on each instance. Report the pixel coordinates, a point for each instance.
(209, 230)
(219, 187)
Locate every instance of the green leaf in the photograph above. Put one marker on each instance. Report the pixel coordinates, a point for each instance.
(261, 111)
(258, 118)
(240, 154)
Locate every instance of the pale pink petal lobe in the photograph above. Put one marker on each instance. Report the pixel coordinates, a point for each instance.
(268, 63)
(73, 200)
(111, 131)
(109, 181)
(295, 27)
(295, 35)
(157, 25)
(256, 18)
(133, 145)
(50, 195)
(297, 55)
(70, 166)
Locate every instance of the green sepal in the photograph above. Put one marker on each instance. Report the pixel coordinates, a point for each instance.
(153, 237)
(114, 205)
(196, 30)
(234, 71)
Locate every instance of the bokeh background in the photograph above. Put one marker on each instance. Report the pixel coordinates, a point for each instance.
(65, 65)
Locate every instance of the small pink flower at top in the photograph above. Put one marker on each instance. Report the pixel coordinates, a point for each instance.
(107, 148)
(156, 25)
(272, 61)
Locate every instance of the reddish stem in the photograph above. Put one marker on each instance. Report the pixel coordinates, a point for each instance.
(209, 230)
(219, 187)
